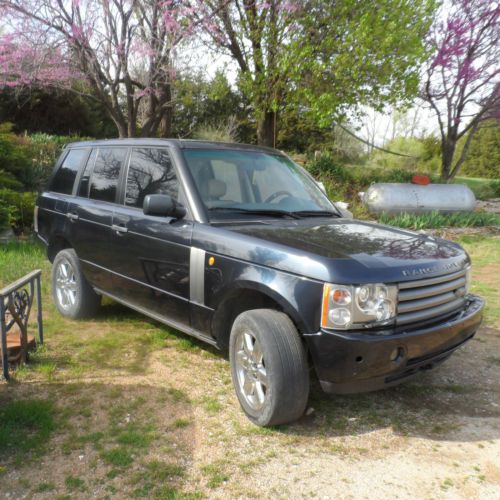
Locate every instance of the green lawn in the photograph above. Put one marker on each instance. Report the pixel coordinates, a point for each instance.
(483, 188)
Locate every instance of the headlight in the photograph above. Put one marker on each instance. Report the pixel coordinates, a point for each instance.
(358, 306)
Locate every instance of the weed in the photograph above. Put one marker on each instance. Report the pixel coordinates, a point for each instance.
(215, 474)
(74, 483)
(447, 483)
(162, 471)
(177, 395)
(181, 422)
(119, 457)
(45, 487)
(135, 437)
(211, 404)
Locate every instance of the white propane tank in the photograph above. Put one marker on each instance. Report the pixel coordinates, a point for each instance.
(394, 198)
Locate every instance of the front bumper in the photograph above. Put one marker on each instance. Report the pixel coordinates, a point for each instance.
(355, 361)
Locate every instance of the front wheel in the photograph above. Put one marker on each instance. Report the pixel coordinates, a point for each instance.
(73, 295)
(268, 367)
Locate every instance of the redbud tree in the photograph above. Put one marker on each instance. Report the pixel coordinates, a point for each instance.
(462, 76)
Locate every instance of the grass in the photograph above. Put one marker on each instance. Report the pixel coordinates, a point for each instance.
(118, 457)
(483, 188)
(436, 220)
(215, 474)
(26, 427)
(74, 483)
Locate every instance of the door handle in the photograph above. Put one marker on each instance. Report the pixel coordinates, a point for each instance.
(119, 229)
(72, 216)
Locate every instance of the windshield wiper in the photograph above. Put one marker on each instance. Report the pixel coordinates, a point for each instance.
(315, 213)
(258, 211)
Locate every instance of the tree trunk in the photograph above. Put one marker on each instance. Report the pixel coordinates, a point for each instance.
(166, 119)
(447, 153)
(266, 129)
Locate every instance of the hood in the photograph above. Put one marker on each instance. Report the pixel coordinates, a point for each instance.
(346, 250)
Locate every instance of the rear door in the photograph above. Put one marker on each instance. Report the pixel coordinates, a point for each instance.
(53, 206)
(91, 213)
(151, 254)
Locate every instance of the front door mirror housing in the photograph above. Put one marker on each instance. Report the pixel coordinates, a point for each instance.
(162, 205)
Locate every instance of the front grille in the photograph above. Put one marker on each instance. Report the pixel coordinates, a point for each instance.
(429, 298)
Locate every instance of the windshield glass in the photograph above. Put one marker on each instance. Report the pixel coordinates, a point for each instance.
(253, 181)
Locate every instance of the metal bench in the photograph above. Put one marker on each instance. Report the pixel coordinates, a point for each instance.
(16, 301)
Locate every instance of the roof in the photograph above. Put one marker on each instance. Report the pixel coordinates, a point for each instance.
(180, 143)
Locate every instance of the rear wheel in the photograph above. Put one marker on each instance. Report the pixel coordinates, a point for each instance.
(268, 367)
(73, 295)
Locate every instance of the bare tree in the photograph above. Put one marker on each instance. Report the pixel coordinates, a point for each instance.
(122, 49)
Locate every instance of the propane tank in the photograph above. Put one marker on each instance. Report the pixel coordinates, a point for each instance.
(394, 198)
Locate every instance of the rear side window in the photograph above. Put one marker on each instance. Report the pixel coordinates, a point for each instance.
(65, 176)
(150, 172)
(104, 179)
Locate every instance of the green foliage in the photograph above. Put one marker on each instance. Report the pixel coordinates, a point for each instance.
(16, 210)
(365, 56)
(26, 161)
(483, 157)
(423, 155)
(436, 220)
(210, 108)
(54, 111)
(483, 189)
(14, 159)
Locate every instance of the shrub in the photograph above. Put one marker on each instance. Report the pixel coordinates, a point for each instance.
(14, 159)
(16, 210)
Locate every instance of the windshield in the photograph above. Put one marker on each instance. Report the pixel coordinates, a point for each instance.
(254, 182)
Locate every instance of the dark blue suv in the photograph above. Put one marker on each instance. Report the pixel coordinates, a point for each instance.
(239, 246)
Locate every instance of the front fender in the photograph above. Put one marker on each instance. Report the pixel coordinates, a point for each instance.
(298, 297)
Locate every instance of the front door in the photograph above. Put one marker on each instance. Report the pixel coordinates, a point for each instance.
(151, 254)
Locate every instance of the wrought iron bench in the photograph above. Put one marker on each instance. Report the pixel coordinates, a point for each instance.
(16, 301)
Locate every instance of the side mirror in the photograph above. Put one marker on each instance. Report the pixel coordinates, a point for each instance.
(162, 205)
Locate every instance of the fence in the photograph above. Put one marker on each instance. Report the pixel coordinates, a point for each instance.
(16, 301)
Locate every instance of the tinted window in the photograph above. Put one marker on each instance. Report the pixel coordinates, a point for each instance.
(150, 172)
(228, 173)
(66, 174)
(104, 179)
(83, 190)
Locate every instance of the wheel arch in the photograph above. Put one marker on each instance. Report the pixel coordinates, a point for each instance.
(57, 242)
(245, 296)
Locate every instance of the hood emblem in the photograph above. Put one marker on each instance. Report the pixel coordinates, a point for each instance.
(429, 270)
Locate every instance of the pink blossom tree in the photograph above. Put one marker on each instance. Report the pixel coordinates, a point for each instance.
(462, 76)
(122, 50)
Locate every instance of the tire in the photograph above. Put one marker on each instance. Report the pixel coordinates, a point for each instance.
(73, 296)
(268, 367)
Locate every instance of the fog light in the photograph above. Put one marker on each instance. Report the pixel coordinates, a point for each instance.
(397, 354)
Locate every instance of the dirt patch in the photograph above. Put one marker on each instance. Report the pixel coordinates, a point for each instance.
(492, 206)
